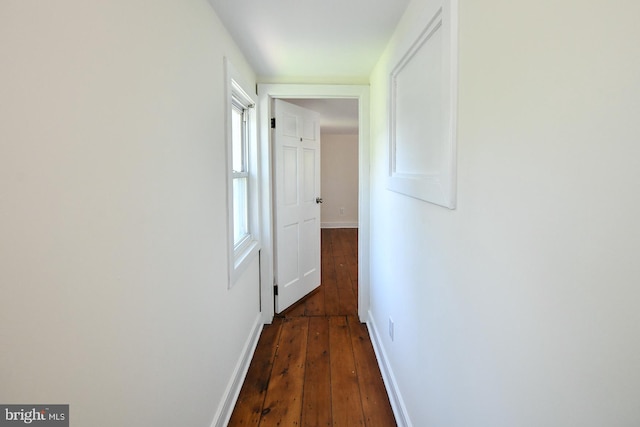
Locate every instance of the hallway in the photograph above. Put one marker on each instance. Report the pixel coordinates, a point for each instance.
(315, 365)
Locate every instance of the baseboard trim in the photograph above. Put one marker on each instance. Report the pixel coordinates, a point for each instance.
(339, 225)
(223, 414)
(395, 397)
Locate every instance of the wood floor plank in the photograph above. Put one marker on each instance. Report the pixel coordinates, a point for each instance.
(342, 270)
(375, 402)
(328, 268)
(350, 240)
(296, 310)
(351, 235)
(316, 402)
(345, 392)
(325, 241)
(283, 402)
(248, 408)
(315, 303)
(338, 245)
(331, 298)
(352, 268)
(347, 300)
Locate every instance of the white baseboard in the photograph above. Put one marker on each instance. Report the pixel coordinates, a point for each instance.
(339, 225)
(223, 414)
(397, 403)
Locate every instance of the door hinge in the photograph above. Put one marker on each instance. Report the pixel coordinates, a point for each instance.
(275, 290)
(273, 123)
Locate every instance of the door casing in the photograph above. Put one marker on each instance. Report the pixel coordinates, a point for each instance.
(266, 93)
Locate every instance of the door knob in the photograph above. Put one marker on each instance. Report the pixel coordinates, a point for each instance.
(318, 200)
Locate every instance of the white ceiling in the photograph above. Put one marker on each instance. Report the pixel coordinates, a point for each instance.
(292, 41)
(296, 40)
(337, 116)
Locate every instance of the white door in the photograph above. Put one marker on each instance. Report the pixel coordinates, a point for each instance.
(297, 194)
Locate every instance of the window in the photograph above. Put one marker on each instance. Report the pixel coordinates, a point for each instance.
(240, 171)
(242, 176)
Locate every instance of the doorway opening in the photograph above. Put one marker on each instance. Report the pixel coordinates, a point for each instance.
(333, 99)
(339, 159)
(315, 170)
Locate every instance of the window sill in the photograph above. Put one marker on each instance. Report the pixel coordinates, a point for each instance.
(242, 258)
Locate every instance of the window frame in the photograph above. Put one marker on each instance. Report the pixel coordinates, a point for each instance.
(242, 252)
(237, 106)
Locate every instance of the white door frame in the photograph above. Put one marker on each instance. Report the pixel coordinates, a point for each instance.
(267, 92)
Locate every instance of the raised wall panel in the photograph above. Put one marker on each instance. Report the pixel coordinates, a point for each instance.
(419, 132)
(422, 143)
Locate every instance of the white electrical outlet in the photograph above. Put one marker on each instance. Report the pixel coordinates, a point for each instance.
(391, 328)
(341, 211)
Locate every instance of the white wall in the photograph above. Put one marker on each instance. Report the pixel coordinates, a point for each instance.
(112, 232)
(339, 180)
(520, 307)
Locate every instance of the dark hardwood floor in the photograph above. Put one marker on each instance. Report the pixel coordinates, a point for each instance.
(315, 365)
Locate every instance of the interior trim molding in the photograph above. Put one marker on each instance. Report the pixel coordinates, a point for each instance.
(223, 414)
(395, 397)
(423, 113)
(267, 93)
(339, 225)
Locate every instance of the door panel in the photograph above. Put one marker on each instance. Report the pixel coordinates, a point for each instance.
(309, 176)
(290, 174)
(297, 217)
(309, 256)
(309, 129)
(289, 124)
(289, 272)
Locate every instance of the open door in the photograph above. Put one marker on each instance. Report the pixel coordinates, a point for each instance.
(296, 168)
